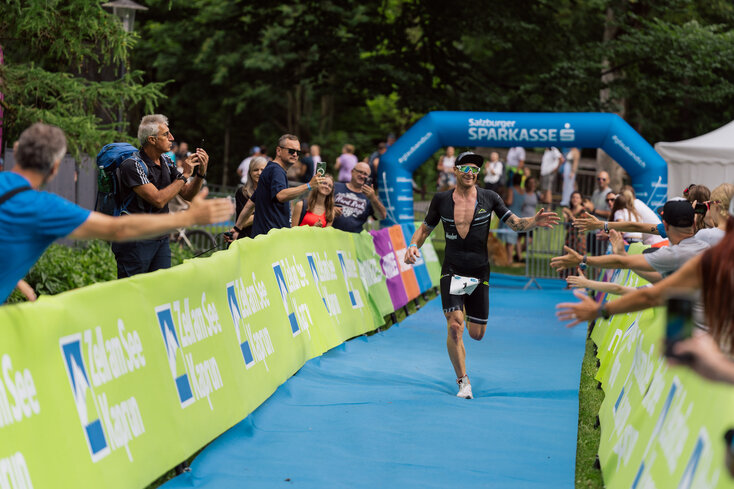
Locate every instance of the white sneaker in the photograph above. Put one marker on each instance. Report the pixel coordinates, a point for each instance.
(464, 388)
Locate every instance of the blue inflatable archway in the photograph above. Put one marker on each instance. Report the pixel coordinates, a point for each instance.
(646, 168)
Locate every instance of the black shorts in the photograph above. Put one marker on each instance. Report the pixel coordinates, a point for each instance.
(476, 304)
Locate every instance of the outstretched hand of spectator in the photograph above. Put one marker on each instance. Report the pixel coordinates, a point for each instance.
(617, 242)
(209, 211)
(545, 219)
(578, 312)
(587, 222)
(578, 281)
(570, 260)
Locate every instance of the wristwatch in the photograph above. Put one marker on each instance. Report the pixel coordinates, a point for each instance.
(180, 176)
(583, 265)
(197, 174)
(603, 313)
(606, 227)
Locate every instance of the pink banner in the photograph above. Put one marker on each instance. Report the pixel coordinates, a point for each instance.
(390, 267)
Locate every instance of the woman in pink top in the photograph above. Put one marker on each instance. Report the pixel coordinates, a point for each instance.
(345, 163)
(318, 209)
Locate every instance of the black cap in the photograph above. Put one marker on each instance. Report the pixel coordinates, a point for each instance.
(469, 158)
(678, 213)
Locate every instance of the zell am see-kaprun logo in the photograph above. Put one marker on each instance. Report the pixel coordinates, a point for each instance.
(244, 300)
(290, 276)
(91, 361)
(322, 271)
(194, 380)
(349, 271)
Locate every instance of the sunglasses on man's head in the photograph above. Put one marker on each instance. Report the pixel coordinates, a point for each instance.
(468, 169)
(291, 150)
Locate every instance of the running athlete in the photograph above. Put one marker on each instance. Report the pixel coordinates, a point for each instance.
(465, 213)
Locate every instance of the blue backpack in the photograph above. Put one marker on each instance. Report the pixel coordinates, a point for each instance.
(109, 194)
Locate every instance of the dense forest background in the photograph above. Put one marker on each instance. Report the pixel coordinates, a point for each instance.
(238, 73)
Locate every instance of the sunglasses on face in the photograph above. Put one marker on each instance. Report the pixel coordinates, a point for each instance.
(611, 199)
(468, 169)
(291, 151)
(602, 179)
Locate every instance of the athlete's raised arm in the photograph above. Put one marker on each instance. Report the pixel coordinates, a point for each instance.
(540, 220)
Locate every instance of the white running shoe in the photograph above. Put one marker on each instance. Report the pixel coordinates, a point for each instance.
(464, 388)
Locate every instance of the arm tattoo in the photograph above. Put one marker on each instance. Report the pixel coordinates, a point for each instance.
(653, 229)
(520, 224)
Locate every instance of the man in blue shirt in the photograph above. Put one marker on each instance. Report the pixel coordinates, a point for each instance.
(30, 220)
(273, 194)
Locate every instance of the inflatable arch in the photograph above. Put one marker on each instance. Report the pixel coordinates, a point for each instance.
(646, 168)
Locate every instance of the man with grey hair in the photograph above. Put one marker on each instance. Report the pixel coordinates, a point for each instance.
(30, 220)
(149, 181)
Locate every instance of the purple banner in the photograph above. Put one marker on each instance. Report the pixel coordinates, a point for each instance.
(389, 264)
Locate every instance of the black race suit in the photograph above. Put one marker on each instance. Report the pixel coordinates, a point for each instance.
(468, 256)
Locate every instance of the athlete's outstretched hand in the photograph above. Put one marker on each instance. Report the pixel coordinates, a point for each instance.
(587, 222)
(411, 255)
(570, 260)
(546, 219)
(578, 312)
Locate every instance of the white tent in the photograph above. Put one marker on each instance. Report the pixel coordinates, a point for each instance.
(705, 160)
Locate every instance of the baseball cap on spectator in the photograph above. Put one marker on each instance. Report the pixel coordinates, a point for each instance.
(469, 158)
(254, 149)
(678, 213)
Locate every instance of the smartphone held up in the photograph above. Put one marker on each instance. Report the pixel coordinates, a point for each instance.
(678, 325)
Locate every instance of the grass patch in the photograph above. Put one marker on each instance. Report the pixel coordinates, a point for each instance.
(588, 475)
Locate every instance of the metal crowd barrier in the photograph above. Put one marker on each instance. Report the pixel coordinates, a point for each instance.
(542, 244)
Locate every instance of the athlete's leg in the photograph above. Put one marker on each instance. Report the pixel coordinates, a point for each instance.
(477, 310)
(455, 342)
(476, 330)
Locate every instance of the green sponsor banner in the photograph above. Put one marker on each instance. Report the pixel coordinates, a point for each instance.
(372, 276)
(112, 385)
(661, 426)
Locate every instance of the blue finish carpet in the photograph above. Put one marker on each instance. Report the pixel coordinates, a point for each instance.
(381, 411)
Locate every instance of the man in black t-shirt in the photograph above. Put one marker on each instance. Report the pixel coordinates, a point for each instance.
(273, 194)
(149, 181)
(465, 213)
(356, 200)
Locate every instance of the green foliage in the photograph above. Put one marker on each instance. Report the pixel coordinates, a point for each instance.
(61, 58)
(63, 268)
(338, 72)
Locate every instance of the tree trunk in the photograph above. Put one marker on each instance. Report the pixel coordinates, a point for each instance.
(225, 161)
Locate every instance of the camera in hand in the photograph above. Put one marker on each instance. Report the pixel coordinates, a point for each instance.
(679, 325)
(368, 181)
(700, 208)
